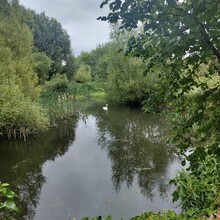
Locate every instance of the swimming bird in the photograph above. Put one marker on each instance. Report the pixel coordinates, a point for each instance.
(105, 107)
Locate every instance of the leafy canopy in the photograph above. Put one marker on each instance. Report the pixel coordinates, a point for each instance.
(184, 38)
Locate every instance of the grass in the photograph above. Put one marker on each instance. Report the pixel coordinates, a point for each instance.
(60, 105)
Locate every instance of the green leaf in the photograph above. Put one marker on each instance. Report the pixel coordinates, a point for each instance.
(10, 205)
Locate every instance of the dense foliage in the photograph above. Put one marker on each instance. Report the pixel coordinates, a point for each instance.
(51, 39)
(121, 76)
(19, 114)
(175, 43)
(83, 74)
(183, 37)
(34, 49)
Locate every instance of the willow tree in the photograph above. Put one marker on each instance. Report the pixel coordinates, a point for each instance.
(184, 37)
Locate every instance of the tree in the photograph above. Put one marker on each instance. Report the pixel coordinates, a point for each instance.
(70, 67)
(42, 65)
(83, 74)
(184, 32)
(18, 82)
(96, 59)
(183, 37)
(51, 39)
(125, 82)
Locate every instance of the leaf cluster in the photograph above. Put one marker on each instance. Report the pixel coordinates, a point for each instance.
(198, 190)
(7, 203)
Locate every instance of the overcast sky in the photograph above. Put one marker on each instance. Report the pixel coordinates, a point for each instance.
(78, 17)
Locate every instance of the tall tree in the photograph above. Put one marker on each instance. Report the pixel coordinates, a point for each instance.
(53, 40)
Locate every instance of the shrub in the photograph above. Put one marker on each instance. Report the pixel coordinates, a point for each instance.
(18, 113)
(58, 83)
(199, 189)
(83, 74)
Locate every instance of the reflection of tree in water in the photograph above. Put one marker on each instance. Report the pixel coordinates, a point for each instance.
(137, 147)
(22, 163)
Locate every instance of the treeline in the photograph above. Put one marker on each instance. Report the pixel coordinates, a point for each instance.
(33, 49)
(121, 76)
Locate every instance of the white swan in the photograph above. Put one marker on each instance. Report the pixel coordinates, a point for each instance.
(105, 107)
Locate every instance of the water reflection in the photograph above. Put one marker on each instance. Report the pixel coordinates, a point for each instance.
(99, 164)
(137, 147)
(21, 163)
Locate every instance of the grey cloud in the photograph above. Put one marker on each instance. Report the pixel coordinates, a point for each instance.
(78, 17)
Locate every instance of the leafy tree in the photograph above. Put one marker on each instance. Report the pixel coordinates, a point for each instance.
(16, 42)
(183, 37)
(97, 60)
(125, 82)
(53, 40)
(42, 65)
(178, 34)
(83, 74)
(18, 81)
(87, 58)
(58, 83)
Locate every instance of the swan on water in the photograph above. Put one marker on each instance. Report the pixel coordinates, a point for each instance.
(105, 107)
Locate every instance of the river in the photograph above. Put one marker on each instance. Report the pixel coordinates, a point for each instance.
(100, 163)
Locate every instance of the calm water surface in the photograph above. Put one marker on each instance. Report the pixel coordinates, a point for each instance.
(99, 163)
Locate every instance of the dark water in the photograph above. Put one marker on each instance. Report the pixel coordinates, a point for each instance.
(99, 163)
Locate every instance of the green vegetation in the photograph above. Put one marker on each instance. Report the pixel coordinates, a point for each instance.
(83, 74)
(52, 40)
(181, 37)
(174, 43)
(7, 203)
(20, 114)
(34, 48)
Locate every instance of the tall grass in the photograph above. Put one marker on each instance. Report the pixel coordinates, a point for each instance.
(58, 105)
(61, 105)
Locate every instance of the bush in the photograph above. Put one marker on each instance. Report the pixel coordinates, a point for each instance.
(83, 74)
(18, 113)
(199, 189)
(58, 83)
(87, 89)
(125, 79)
